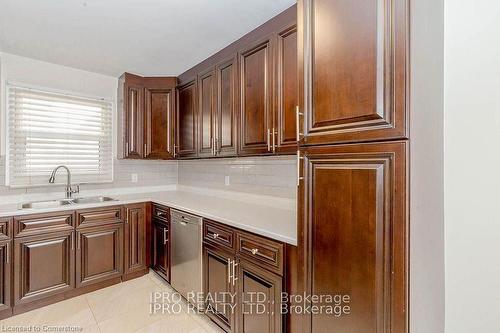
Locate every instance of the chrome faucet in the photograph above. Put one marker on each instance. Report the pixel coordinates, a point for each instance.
(69, 189)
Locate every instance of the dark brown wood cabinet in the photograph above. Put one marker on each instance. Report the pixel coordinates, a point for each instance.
(5, 275)
(287, 87)
(256, 129)
(218, 285)
(44, 265)
(355, 233)
(186, 121)
(227, 103)
(146, 113)
(353, 69)
(161, 248)
(159, 117)
(259, 299)
(135, 239)
(207, 114)
(99, 253)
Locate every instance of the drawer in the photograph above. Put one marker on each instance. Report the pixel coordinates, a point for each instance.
(215, 233)
(5, 228)
(42, 223)
(260, 251)
(99, 216)
(161, 213)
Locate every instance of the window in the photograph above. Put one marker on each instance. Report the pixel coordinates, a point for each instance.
(47, 129)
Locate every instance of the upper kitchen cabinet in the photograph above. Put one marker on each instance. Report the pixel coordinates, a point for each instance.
(256, 128)
(146, 113)
(287, 85)
(353, 70)
(159, 117)
(225, 123)
(206, 115)
(131, 110)
(186, 121)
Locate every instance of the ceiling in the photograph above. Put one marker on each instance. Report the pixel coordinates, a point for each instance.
(146, 37)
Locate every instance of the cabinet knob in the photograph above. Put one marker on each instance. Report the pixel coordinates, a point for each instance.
(254, 251)
(215, 235)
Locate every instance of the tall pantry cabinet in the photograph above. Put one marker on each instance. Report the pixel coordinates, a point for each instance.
(353, 163)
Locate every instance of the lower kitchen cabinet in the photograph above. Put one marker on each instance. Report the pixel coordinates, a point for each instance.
(44, 266)
(99, 253)
(5, 275)
(161, 249)
(135, 238)
(259, 293)
(218, 286)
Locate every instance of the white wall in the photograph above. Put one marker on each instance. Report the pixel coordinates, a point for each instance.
(427, 276)
(60, 78)
(472, 165)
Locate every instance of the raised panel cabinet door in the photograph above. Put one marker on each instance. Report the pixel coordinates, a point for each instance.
(256, 106)
(134, 120)
(218, 286)
(159, 118)
(161, 250)
(287, 90)
(186, 120)
(99, 253)
(5, 274)
(44, 265)
(226, 73)
(206, 114)
(354, 219)
(354, 70)
(259, 300)
(135, 238)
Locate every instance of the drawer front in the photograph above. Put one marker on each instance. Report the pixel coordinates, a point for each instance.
(161, 213)
(181, 216)
(214, 233)
(41, 223)
(261, 251)
(5, 228)
(99, 216)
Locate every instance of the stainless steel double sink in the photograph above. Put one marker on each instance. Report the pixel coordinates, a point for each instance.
(64, 202)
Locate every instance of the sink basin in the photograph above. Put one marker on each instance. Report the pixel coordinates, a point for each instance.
(89, 200)
(64, 202)
(46, 204)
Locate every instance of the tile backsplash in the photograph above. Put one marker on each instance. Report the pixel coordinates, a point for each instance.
(270, 175)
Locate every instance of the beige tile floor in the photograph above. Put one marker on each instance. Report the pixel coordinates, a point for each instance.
(123, 308)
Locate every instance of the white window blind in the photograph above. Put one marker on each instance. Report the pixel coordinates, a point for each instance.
(48, 129)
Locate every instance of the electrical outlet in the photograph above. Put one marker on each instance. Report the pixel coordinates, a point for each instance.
(135, 178)
(226, 180)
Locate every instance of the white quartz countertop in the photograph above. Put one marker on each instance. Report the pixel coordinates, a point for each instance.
(267, 216)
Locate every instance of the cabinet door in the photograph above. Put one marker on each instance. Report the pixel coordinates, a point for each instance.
(259, 293)
(256, 82)
(161, 249)
(99, 254)
(287, 91)
(217, 286)
(186, 120)
(355, 226)
(44, 266)
(5, 274)
(134, 120)
(226, 73)
(159, 117)
(207, 115)
(354, 69)
(135, 238)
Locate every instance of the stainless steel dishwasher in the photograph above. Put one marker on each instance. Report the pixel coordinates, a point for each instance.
(186, 253)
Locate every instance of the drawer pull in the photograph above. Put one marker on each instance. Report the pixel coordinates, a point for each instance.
(160, 214)
(215, 235)
(254, 251)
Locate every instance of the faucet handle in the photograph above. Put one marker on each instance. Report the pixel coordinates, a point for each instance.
(77, 190)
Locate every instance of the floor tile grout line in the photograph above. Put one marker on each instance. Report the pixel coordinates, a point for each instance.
(93, 315)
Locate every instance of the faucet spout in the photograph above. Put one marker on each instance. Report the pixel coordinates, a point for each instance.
(69, 190)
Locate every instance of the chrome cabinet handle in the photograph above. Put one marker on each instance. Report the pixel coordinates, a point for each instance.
(229, 265)
(234, 272)
(268, 139)
(299, 178)
(77, 242)
(165, 236)
(274, 140)
(297, 122)
(7, 253)
(145, 149)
